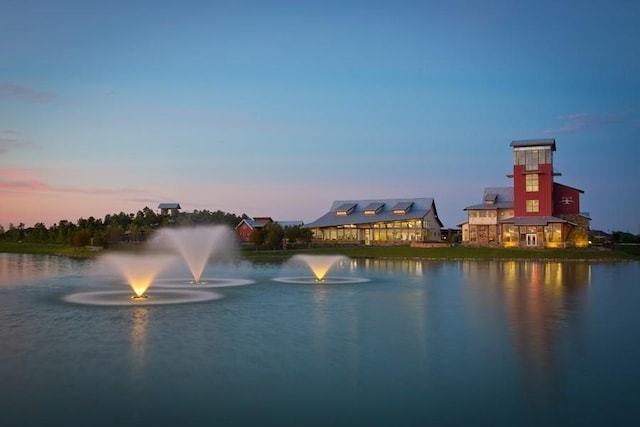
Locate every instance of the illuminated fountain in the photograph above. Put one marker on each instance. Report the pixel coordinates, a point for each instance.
(320, 265)
(140, 271)
(196, 245)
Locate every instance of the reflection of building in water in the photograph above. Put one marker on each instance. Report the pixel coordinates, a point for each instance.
(407, 266)
(538, 300)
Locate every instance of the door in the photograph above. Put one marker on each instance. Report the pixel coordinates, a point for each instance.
(532, 239)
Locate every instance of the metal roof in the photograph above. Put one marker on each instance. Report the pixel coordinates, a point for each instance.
(532, 220)
(403, 206)
(502, 196)
(535, 142)
(169, 206)
(420, 208)
(374, 206)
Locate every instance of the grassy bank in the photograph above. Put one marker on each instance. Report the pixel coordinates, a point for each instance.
(46, 249)
(455, 252)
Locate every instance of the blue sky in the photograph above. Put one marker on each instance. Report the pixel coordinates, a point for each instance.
(279, 108)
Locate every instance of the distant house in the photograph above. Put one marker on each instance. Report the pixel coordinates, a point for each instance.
(169, 209)
(246, 227)
(535, 212)
(380, 221)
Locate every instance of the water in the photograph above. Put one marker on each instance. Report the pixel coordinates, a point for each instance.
(421, 343)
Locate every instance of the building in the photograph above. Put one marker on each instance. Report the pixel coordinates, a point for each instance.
(483, 227)
(247, 225)
(535, 212)
(390, 221)
(169, 209)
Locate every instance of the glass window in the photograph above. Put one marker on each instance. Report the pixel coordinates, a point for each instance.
(531, 184)
(533, 205)
(531, 161)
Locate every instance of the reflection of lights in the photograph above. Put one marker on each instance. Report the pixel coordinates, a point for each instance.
(143, 296)
(138, 335)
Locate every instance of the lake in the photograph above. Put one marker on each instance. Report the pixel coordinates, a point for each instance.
(445, 343)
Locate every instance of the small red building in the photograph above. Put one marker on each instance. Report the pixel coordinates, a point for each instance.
(247, 225)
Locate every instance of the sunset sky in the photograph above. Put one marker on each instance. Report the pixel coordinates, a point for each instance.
(277, 108)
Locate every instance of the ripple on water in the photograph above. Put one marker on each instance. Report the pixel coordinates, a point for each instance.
(155, 297)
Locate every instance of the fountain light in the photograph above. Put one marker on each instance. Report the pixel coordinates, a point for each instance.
(138, 270)
(320, 264)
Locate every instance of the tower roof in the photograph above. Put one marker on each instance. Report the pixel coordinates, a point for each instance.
(544, 142)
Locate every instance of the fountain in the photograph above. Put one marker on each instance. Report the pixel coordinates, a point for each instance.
(196, 245)
(320, 266)
(139, 270)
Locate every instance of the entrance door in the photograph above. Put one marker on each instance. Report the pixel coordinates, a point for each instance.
(532, 239)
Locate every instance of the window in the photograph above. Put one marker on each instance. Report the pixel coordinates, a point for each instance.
(531, 160)
(531, 184)
(532, 157)
(533, 205)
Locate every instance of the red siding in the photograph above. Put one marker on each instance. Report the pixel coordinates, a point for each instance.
(543, 195)
(566, 200)
(244, 232)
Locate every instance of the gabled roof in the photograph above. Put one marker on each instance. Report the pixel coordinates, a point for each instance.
(412, 208)
(259, 222)
(255, 222)
(535, 143)
(568, 186)
(495, 198)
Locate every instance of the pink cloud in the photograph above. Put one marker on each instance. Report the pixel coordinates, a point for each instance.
(25, 93)
(581, 121)
(28, 181)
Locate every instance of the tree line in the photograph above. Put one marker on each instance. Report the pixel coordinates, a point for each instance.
(115, 229)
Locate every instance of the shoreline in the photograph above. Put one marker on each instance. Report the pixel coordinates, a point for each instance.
(451, 253)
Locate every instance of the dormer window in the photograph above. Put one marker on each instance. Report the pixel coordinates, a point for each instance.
(373, 208)
(490, 198)
(345, 209)
(401, 208)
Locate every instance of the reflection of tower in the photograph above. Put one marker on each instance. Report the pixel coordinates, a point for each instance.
(538, 306)
(140, 318)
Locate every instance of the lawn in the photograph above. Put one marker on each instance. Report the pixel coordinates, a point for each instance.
(453, 252)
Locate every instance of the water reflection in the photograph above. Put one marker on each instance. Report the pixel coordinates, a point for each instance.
(414, 267)
(140, 320)
(22, 268)
(539, 300)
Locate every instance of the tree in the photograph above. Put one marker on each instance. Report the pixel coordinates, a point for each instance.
(273, 235)
(298, 235)
(257, 237)
(38, 234)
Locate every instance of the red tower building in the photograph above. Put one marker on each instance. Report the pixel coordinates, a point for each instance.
(535, 212)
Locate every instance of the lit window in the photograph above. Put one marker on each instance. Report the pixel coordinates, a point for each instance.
(533, 206)
(531, 182)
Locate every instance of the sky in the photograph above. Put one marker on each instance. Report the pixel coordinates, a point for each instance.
(278, 108)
